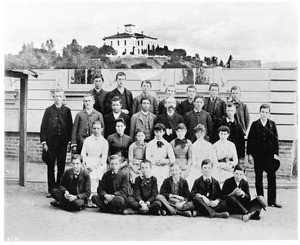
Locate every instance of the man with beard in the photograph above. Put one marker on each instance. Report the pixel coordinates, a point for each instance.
(170, 119)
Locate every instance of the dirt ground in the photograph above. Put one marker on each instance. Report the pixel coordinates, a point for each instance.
(30, 217)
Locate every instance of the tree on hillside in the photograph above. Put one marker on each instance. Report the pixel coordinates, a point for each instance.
(214, 60)
(228, 62)
(208, 61)
(221, 63)
(91, 50)
(179, 52)
(107, 50)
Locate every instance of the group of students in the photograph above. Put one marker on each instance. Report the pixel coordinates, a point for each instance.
(115, 194)
(167, 134)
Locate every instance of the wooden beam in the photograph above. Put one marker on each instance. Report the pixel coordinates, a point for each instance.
(17, 74)
(23, 132)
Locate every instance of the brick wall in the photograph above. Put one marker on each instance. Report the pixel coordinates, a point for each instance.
(34, 151)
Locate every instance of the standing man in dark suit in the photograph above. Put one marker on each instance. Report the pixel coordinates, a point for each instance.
(170, 119)
(99, 94)
(196, 116)
(56, 129)
(263, 151)
(214, 105)
(123, 93)
(109, 119)
(188, 104)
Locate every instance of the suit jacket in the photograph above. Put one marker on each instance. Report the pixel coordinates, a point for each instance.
(236, 135)
(230, 184)
(263, 141)
(120, 184)
(200, 187)
(56, 122)
(137, 122)
(83, 126)
(191, 121)
(100, 98)
(110, 126)
(83, 184)
(185, 107)
(242, 115)
(166, 188)
(116, 92)
(136, 107)
(219, 108)
(145, 192)
(172, 123)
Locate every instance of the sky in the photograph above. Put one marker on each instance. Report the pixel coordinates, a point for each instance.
(265, 31)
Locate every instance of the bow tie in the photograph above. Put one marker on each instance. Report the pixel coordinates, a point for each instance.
(180, 142)
(146, 181)
(159, 144)
(198, 113)
(113, 175)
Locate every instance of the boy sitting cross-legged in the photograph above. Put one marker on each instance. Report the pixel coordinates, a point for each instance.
(175, 195)
(144, 192)
(206, 194)
(113, 189)
(236, 192)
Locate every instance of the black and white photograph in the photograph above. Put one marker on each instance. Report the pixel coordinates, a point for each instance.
(150, 121)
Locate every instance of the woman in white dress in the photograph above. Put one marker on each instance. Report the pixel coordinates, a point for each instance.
(226, 155)
(201, 149)
(94, 153)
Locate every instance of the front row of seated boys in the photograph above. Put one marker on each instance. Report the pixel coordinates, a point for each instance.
(115, 195)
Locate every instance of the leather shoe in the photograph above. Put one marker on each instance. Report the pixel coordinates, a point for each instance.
(223, 215)
(55, 204)
(195, 213)
(163, 212)
(246, 217)
(275, 205)
(185, 213)
(255, 216)
(129, 211)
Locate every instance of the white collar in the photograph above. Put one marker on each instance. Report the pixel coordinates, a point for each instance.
(263, 123)
(145, 113)
(227, 119)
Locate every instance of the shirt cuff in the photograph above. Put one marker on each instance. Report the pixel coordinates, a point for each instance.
(44, 142)
(141, 202)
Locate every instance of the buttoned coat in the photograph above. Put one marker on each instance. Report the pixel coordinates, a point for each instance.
(191, 122)
(83, 184)
(83, 126)
(100, 98)
(56, 121)
(166, 188)
(137, 122)
(121, 184)
(200, 187)
(145, 192)
(219, 109)
(262, 142)
(230, 184)
(185, 107)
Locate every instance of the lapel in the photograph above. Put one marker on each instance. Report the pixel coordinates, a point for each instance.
(140, 116)
(216, 103)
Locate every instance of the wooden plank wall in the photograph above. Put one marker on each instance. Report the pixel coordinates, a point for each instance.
(275, 87)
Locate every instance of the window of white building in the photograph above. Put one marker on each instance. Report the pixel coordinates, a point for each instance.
(125, 42)
(118, 43)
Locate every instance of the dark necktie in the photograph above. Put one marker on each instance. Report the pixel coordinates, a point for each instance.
(113, 175)
(180, 142)
(159, 144)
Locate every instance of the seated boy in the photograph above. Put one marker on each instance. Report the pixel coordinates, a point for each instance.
(74, 187)
(113, 189)
(237, 194)
(206, 194)
(144, 192)
(174, 194)
(160, 153)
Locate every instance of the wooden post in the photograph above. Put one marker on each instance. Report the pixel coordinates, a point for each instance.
(23, 132)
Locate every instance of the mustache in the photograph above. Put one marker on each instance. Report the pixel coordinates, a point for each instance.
(170, 106)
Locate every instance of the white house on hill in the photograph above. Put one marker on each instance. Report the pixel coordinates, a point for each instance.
(129, 42)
